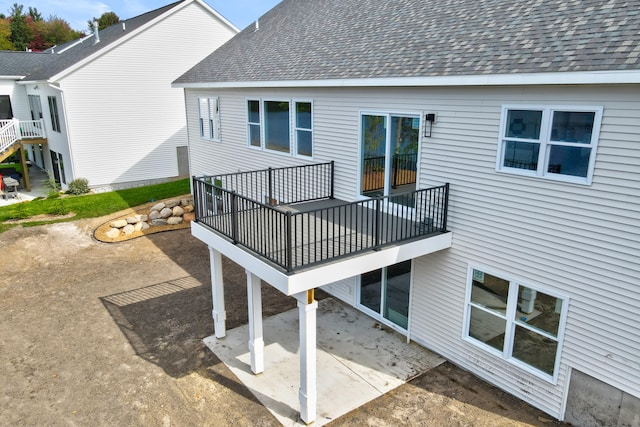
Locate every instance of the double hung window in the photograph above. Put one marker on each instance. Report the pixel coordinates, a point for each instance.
(519, 323)
(280, 125)
(304, 129)
(254, 125)
(53, 111)
(551, 142)
(209, 118)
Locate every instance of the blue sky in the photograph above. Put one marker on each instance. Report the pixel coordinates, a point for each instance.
(77, 12)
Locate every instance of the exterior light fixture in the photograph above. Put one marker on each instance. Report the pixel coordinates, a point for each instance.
(429, 120)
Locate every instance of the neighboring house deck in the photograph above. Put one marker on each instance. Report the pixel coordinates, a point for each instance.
(14, 135)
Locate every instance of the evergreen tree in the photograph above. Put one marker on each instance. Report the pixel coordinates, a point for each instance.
(34, 14)
(20, 32)
(106, 20)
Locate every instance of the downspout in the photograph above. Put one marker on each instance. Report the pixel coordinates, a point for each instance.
(68, 130)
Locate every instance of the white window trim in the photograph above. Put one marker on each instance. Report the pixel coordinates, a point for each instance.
(545, 141)
(293, 139)
(294, 124)
(511, 323)
(210, 131)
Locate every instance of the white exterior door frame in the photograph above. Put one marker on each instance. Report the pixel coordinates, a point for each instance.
(389, 148)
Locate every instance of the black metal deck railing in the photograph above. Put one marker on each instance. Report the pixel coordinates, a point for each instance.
(287, 185)
(403, 171)
(298, 236)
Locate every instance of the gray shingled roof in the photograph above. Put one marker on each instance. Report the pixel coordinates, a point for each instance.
(338, 39)
(42, 66)
(14, 63)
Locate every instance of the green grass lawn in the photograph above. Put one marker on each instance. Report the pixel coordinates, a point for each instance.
(90, 205)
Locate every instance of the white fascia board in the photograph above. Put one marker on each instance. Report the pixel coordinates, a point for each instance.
(217, 15)
(368, 261)
(325, 273)
(34, 82)
(568, 78)
(126, 38)
(12, 78)
(235, 253)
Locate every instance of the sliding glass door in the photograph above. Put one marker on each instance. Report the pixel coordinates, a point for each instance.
(385, 293)
(389, 160)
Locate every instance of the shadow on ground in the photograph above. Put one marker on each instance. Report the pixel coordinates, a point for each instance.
(166, 322)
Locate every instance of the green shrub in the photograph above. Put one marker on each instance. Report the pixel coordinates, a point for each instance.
(78, 186)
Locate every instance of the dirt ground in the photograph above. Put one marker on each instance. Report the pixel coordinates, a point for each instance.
(101, 334)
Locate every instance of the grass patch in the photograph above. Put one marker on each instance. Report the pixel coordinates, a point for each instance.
(91, 205)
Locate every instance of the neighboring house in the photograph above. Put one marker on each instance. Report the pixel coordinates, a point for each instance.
(528, 273)
(20, 131)
(106, 103)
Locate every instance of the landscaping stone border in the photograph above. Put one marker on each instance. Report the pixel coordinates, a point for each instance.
(165, 215)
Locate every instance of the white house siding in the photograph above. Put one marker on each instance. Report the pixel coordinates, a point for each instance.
(335, 137)
(56, 141)
(580, 241)
(343, 290)
(125, 118)
(18, 96)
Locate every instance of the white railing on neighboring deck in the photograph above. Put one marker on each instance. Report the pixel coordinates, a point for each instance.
(32, 129)
(8, 133)
(14, 129)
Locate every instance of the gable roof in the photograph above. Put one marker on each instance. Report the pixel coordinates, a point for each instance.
(330, 40)
(43, 66)
(87, 46)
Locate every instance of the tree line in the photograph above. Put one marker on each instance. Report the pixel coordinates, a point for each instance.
(28, 30)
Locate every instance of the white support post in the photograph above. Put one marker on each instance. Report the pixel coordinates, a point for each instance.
(217, 291)
(256, 342)
(307, 307)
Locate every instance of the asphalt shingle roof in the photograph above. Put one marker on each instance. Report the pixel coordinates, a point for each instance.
(42, 66)
(338, 39)
(14, 63)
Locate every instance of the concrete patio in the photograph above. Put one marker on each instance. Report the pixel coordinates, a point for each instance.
(358, 360)
(39, 187)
